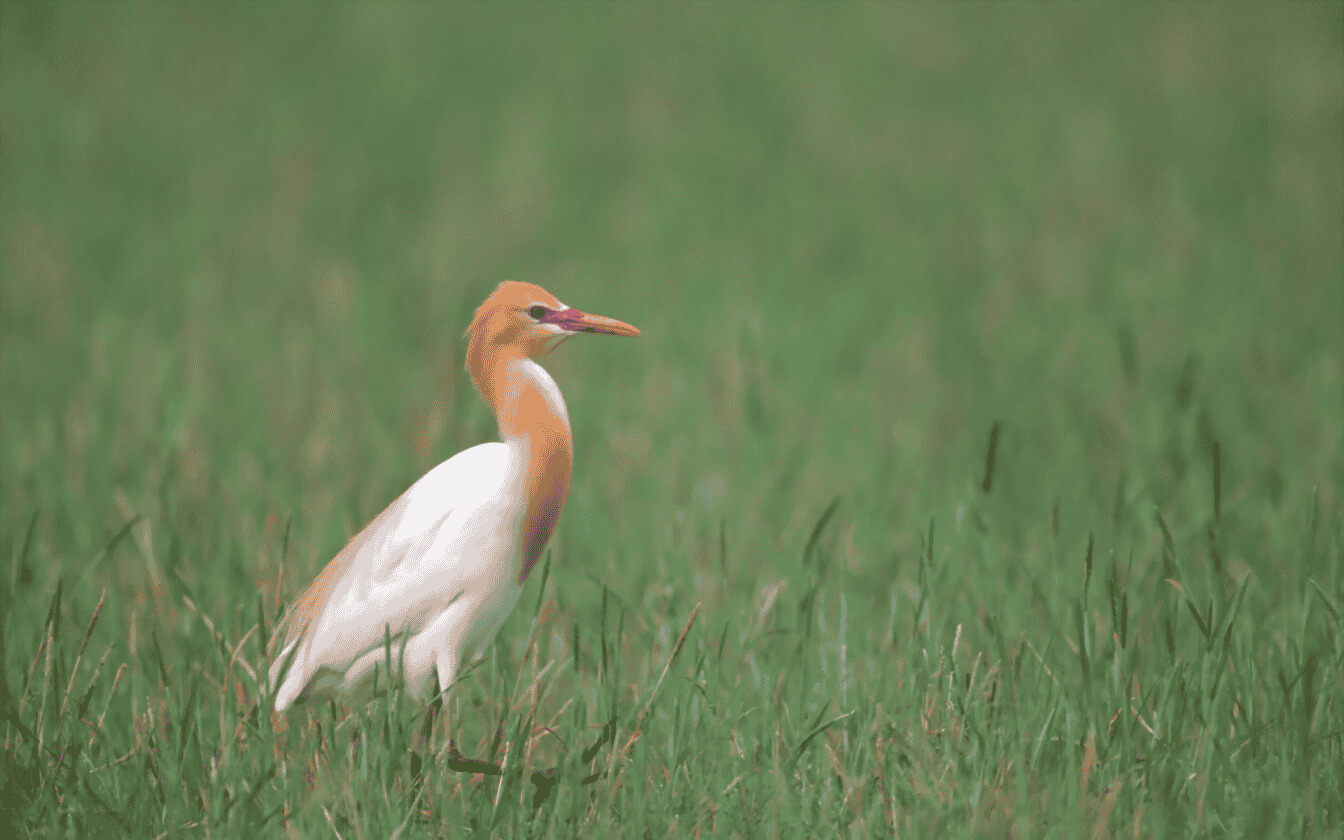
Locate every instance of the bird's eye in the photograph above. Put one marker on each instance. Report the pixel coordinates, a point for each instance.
(538, 312)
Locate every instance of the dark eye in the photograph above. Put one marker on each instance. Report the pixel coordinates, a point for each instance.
(538, 312)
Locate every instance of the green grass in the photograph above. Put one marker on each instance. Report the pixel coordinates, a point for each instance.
(239, 247)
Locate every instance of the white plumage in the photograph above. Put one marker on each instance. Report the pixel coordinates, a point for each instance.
(426, 567)
(440, 569)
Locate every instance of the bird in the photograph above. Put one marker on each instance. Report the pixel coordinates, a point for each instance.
(430, 580)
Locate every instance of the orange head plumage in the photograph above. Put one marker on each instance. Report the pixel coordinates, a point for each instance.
(523, 319)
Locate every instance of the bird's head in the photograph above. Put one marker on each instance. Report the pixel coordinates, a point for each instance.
(530, 320)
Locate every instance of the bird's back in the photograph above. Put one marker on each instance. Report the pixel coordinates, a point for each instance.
(442, 558)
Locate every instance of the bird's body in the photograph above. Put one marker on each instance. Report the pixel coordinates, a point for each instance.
(439, 570)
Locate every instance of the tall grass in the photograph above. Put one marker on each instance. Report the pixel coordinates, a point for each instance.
(978, 471)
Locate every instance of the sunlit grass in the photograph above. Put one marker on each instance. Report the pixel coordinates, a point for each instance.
(979, 469)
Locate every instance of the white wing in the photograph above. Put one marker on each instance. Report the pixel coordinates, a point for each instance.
(430, 569)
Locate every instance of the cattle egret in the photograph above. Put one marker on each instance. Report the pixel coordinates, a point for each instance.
(438, 571)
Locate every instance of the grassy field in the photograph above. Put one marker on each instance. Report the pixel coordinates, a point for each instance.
(989, 408)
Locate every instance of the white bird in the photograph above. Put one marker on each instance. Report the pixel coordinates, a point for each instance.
(440, 569)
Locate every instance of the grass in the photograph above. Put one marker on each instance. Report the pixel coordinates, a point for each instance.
(979, 471)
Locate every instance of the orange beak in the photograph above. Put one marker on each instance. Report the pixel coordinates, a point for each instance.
(572, 320)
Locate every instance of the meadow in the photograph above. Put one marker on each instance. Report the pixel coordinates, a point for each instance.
(979, 471)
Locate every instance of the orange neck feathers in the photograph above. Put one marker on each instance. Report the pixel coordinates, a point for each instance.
(518, 323)
(531, 414)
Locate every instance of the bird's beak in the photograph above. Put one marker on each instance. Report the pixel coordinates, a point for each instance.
(572, 320)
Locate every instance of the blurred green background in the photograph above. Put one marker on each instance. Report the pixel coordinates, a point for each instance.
(240, 245)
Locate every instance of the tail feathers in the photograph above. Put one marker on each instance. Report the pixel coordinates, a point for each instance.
(286, 680)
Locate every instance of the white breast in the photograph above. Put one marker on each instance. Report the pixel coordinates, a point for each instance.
(439, 571)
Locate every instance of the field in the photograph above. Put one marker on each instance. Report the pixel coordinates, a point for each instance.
(979, 470)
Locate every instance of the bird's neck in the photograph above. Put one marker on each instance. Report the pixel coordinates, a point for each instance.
(533, 420)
